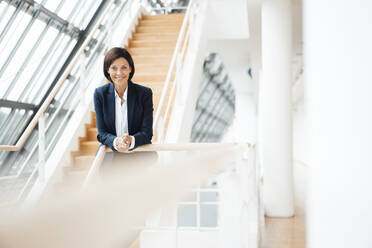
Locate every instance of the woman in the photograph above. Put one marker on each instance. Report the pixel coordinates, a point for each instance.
(123, 109)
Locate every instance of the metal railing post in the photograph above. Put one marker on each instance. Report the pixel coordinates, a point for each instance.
(83, 76)
(41, 126)
(161, 129)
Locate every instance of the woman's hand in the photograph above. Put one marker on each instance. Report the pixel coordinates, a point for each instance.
(123, 143)
(127, 139)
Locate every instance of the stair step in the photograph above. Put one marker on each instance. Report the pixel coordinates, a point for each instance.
(157, 29)
(92, 134)
(83, 162)
(153, 43)
(80, 153)
(156, 36)
(152, 68)
(164, 17)
(89, 146)
(147, 78)
(155, 22)
(144, 77)
(151, 50)
(93, 118)
(148, 59)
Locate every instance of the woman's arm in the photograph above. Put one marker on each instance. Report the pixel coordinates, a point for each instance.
(103, 136)
(144, 135)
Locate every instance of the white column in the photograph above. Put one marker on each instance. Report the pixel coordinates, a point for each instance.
(275, 119)
(338, 104)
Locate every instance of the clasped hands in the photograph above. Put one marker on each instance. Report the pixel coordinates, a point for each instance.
(123, 143)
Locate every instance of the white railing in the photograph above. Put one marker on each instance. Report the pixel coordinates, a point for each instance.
(241, 176)
(238, 188)
(136, 196)
(239, 217)
(147, 148)
(175, 67)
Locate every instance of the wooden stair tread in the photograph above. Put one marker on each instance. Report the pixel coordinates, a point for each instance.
(176, 21)
(155, 73)
(142, 51)
(156, 29)
(164, 24)
(150, 59)
(151, 50)
(80, 153)
(90, 142)
(72, 170)
(155, 36)
(166, 16)
(147, 68)
(141, 43)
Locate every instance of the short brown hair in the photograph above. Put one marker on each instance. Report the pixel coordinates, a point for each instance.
(112, 55)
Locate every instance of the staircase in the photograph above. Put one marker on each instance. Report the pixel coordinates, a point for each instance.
(151, 47)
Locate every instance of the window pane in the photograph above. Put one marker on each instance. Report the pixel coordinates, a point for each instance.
(5, 13)
(54, 67)
(208, 196)
(208, 215)
(22, 53)
(187, 216)
(6, 47)
(86, 13)
(53, 4)
(36, 67)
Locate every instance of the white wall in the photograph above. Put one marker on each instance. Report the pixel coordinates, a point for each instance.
(229, 19)
(337, 41)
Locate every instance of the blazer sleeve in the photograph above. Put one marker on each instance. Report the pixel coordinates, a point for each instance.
(103, 135)
(144, 135)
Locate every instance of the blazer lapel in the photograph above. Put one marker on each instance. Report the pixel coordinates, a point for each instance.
(131, 101)
(112, 107)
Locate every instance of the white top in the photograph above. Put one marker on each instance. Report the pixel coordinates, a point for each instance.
(121, 117)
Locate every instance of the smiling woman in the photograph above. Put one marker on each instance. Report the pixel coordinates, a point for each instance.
(124, 110)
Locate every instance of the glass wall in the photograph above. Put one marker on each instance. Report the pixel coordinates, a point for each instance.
(38, 42)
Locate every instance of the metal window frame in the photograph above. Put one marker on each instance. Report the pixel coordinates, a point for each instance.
(30, 54)
(27, 147)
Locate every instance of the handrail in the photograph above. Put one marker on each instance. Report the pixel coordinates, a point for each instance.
(156, 147)
(21, 141)
(171, 67)
(95, 166)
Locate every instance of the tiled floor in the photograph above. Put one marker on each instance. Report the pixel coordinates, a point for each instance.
(284, 232)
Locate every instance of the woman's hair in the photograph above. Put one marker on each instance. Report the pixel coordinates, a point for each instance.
(112, 55)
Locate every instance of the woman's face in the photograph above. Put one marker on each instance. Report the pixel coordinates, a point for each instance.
(119, 71)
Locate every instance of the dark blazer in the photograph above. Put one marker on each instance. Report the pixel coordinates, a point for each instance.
(140, 111)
